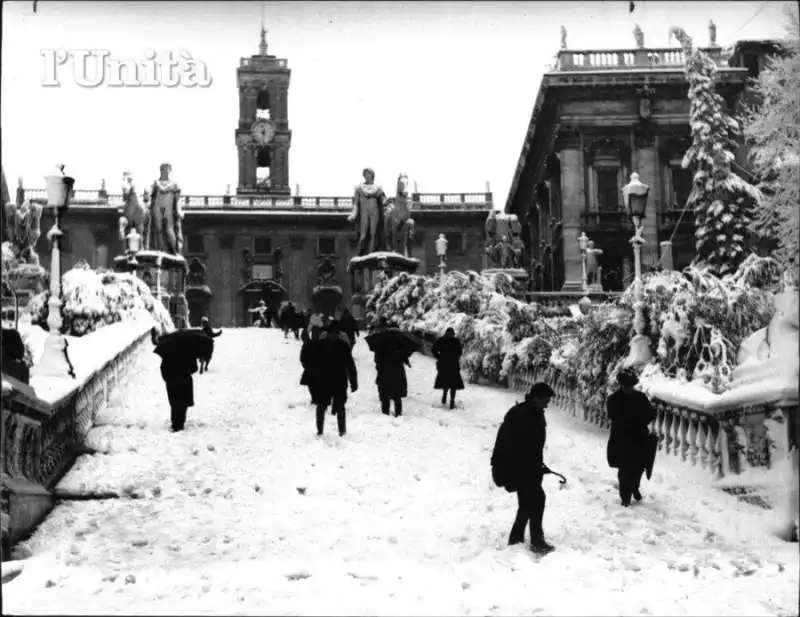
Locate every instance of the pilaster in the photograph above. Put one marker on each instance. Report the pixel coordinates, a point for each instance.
(242, 166)
(647, 163)
(572, 203)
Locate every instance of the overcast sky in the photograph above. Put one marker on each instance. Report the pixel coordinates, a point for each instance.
(440, 90)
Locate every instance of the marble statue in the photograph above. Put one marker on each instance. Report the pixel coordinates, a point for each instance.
(504, 245)
(23, 229)
(399, 225)
(133, 214)
(563, 37)
(368, 205)
(165, 214)
(593, 267)
(639, 36)
(712, 33)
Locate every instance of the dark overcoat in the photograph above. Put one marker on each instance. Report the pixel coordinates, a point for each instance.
(447, 351)
(177, 370)
(337, 369)
(519, 446)
(630, 415)
(391, 377)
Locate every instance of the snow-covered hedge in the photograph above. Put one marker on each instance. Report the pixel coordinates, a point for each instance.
(695, 321)
(93, 299)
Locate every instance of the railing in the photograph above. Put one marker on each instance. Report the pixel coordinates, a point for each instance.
(247, 63)
(623, 59)
(611, 218)
(198, 203)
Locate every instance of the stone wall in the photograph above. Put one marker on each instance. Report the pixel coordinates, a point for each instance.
(41, 439)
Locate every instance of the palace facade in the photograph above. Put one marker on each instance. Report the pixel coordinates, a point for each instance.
(600, 116)
(244, 247)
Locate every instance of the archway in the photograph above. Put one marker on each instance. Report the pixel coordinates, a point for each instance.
(271, 292)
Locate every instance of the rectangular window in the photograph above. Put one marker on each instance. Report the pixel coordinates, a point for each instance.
(262, 246)
(455, 243)
(607, 190)
(195, 244)
(681, 187)
(326, 246)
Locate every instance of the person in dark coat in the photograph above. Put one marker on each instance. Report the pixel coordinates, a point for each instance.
(349, 326)
(520, 450)
(177, 368)
(13, 356)
(630, 413)
(205, 326)
(338, 369)
(310, 358)
(447, 351)
(286, 318)
(391, 380)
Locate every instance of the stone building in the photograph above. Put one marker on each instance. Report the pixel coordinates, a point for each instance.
(600, 116)
(262, 239)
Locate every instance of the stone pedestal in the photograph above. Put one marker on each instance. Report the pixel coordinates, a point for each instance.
(364, 272)
(518, 275)
(667, 262)
(165, 274)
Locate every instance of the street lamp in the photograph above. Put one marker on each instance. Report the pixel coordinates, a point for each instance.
(54, 362)
(583, 243)
(134, 240)
(635, 195)
(441, 253)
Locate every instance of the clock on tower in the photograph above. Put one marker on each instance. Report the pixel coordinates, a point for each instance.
(263, 137)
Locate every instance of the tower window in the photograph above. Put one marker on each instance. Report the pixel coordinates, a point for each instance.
(681, 186)
(263, 106)
(263, 164)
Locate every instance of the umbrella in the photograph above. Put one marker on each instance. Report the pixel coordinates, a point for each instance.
(192, 343)
(563, 480)
(651, 447)
(393, 339)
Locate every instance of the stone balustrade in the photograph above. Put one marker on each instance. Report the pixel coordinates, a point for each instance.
(200, 203)
(626, 59)
(42, 438)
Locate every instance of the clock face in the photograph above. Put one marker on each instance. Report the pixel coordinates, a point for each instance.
(262, 131)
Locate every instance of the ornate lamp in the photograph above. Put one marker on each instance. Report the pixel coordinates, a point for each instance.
(54, 362)
(441, 253)
(134, 240)
(635, 196)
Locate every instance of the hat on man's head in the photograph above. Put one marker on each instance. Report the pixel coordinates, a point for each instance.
(540, 390)
(627, 377)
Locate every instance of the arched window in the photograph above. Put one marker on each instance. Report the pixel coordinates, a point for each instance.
(263, 164)
(263, 105)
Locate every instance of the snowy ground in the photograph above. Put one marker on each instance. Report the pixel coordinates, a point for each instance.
(398, 518)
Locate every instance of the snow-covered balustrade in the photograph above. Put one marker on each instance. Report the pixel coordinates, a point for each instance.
(45, 424)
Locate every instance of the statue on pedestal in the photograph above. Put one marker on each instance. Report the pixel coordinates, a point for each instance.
(369, 202)
(133, 214)
(23, 229)
(166, 214)
(504, 245)
(563, 37)
(399, 226)
(712, 33)
(593, 268)
(638, 35)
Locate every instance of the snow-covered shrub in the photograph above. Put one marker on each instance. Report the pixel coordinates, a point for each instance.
(93, 299)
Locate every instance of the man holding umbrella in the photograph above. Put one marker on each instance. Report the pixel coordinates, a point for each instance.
(392, 348)
(631, 448)
(179, 353)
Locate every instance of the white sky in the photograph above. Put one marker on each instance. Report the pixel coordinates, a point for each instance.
(442, 91)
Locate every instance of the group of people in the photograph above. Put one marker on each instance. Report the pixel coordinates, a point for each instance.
(518, 458)
(329, 368)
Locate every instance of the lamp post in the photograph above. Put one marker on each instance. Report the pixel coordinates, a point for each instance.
(441, 253)
(635, 195)
(54, 362)
(134, 240)
(583, 243)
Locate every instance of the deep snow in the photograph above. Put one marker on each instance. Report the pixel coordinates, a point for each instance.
(398, 518)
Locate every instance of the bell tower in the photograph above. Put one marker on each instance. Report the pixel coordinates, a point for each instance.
(263, 137)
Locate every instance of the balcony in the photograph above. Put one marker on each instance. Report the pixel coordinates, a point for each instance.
(626, 59)
(425, 202)
(606, 220)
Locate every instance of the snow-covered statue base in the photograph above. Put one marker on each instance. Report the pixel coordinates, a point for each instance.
(165, 274)
(364, 271)
(518, 276)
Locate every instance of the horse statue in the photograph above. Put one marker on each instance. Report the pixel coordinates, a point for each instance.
(399, 226)
(133, 214)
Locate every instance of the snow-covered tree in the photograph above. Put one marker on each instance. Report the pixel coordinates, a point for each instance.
(772, 128)
(720, 198)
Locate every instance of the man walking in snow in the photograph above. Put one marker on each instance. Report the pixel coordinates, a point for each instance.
(331, 383)
(518, 464)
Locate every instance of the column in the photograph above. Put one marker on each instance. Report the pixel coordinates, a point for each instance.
(242, 166)
(283, 105)
(242, 105)
(572, 203)
(252, 102)
(647, 164)
(250, 166)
